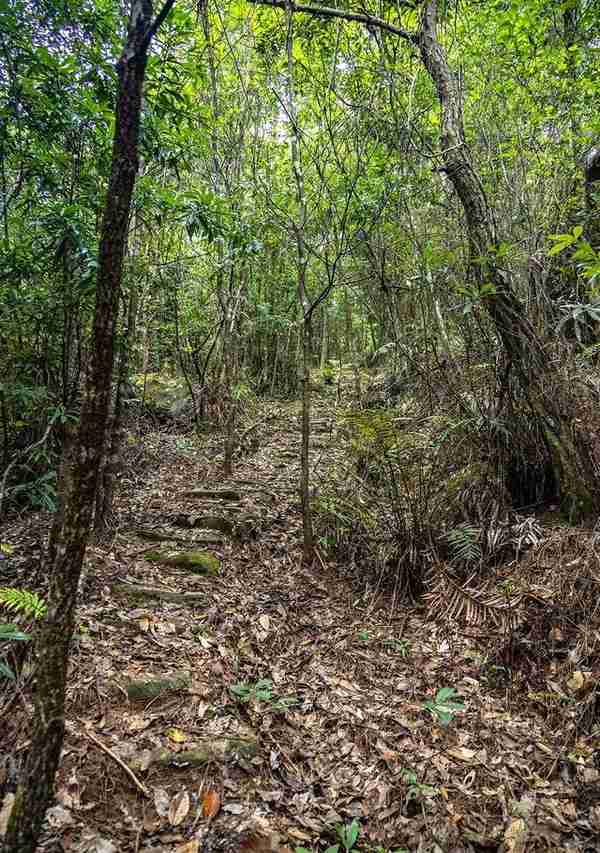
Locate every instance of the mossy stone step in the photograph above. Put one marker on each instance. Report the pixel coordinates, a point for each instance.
(204, 522)
(159, 535)
(142, 593)
(154, 687)
(199, 562)
(214, 494)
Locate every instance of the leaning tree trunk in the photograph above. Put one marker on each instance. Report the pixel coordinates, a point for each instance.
(523, 347)
(36, 785)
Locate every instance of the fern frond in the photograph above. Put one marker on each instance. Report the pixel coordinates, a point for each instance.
(474, 607)
(22, 601)
(465, 543)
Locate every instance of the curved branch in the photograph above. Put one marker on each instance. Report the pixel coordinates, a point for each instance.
(359, 17)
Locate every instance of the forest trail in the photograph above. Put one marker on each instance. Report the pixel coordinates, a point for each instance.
(276, 695)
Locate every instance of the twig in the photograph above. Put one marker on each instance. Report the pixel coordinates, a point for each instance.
(141, 788)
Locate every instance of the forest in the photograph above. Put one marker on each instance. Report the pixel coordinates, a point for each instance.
(299, 426)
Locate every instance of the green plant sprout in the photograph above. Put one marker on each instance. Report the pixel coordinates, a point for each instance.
(445, 705)
(262, 691)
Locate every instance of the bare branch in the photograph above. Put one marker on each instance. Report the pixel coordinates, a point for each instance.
(359, 17)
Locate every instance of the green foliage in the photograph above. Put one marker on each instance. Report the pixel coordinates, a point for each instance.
(262, 691)
(445, 706)
(465, 543)
(416, 790)
(348, 835)
(582, 317)
(401, 647)
(22, 601)
(586, 258)
(10, 631)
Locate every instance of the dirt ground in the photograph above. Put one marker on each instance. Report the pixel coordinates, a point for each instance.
(266, 704)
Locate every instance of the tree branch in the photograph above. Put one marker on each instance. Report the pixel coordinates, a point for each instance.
(154, 26)
(359, 17)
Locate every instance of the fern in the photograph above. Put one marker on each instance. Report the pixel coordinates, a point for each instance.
(465, 543)
(22, 601)
(462, 603)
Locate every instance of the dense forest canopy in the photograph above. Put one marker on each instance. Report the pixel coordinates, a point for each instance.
(212, 221)
(390, 212)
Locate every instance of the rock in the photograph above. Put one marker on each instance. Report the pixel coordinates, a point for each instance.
(168, 536)
(205, 522)
(151, 688)
(210, 506)
(126, 590)
(164, 394)
(218, 750)
(199, 562)
(215, 494)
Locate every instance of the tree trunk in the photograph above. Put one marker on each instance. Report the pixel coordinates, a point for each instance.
(592, 196)
(302, 263)
(36, 785)
(523, 347)
(111, 463)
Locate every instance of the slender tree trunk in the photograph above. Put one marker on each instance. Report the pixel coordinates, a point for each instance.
(36, 785)
(324, 338)
(302, 264)
(111, 463)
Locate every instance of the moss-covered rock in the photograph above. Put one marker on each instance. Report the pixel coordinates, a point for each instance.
(199, 562)
(153, 687)
(142, 593)
(215, 751)
(216, 494)
(203, 522)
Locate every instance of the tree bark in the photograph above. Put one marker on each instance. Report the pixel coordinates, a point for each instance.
(302, 263)
(36, 785)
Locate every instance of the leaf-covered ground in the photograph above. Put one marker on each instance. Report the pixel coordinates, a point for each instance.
(269, 703)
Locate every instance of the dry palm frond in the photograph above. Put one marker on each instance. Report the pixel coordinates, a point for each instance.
(463, 603)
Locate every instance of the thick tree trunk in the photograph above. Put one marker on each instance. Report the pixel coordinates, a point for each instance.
(36, 786)
(523, 347)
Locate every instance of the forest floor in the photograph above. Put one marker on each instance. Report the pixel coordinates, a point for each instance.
(264, 706)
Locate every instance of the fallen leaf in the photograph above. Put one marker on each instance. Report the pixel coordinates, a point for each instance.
(179, 808)
(97, 844)
(5, 812)
(515, 836)
(58, 817)
(264, 622)
(301, 836)
(192, 846)
(176, 735)
(161, 802)
(211, 803)
(576, 681)
(462, 753)
(137, 723)
(233, 808)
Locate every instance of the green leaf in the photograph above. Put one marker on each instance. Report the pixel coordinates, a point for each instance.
(444, 693)
(6, 671)
(12, 632)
